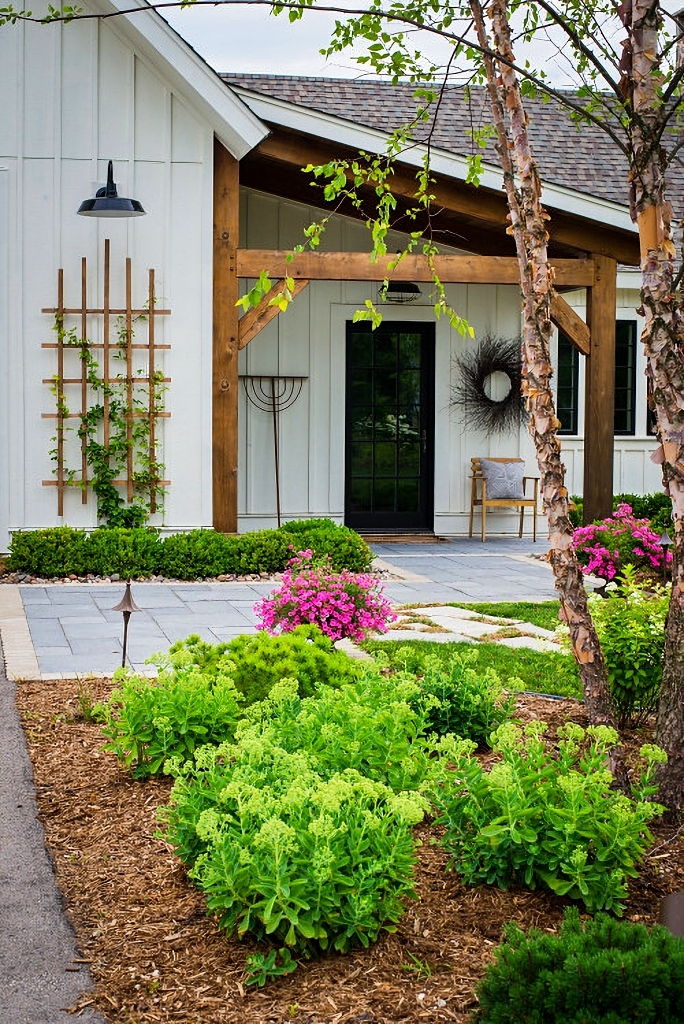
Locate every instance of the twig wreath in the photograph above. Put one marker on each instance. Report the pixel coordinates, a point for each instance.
(475, 368)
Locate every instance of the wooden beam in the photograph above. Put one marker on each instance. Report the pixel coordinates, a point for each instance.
(225, 343)
(254, 320)
(567, 320)
(357, 266)
(600, 393)
(482, 204)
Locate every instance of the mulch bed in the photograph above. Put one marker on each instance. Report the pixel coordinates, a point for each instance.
(156, 956)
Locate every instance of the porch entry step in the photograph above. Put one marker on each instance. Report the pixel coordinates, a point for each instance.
(401, 537)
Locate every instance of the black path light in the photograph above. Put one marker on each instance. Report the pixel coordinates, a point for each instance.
(665, 542)
(108, 202)
(126, 605)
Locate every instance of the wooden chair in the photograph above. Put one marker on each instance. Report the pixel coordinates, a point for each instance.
(478, 496)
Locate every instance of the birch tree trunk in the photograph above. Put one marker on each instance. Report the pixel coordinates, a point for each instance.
(528, 217)
(662, 340)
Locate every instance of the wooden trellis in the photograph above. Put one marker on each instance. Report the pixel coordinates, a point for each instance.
(79, 340)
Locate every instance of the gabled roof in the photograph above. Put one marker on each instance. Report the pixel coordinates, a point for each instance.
(237, 127)
(585, 161)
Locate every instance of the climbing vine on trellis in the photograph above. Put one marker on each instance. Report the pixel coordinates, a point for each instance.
(121, 401)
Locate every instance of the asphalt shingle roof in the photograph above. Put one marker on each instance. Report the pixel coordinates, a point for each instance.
(585, 159)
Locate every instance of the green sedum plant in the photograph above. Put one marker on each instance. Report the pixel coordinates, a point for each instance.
(631, 627)
(547, 817)
(368, 725)
(460, 699)
(603, 971)
(147, 721)
(282, 853)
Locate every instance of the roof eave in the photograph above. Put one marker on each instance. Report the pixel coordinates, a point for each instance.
(234, 123)
(348, 133)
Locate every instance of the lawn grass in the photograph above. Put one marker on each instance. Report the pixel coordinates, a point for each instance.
(539, 613)
(539, 672)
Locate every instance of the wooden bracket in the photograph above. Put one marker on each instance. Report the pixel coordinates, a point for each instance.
(567, 320)
(256, 319)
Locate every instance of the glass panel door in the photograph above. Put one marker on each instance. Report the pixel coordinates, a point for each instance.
(389, 432)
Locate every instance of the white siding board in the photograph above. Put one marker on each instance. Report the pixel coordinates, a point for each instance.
(11, 88)
(78, 95)
(152, 115)
(262, 221)
(187, 330)
(187, 134)
(8, 472)
(115, 102)
(41, 76)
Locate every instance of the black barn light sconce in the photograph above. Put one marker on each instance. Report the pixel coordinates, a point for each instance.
(400, 292)
(108, 202)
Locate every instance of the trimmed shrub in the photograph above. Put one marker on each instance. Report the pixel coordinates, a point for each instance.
(601, 972)
(198, 554)
(137, 551)
(655, 507)
(58, 551)
(130, 552)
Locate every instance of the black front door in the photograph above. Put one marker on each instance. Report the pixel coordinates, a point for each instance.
(389, 430)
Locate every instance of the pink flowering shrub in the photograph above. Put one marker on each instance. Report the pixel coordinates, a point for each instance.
(605, 548)
(341, 604)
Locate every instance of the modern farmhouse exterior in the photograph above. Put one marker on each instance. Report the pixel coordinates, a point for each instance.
(216, 165)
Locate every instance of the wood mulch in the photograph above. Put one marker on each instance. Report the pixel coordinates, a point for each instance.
(155, 955)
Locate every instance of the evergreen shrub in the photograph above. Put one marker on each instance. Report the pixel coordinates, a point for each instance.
(130, 552)
(58, 551)
(196, 554)
(261, 660)
(601, 972)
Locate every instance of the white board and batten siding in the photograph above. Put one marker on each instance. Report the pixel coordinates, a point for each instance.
(309, 340)
(75, 96)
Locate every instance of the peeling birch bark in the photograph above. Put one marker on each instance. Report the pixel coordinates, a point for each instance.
(527, 217)
(663, 341)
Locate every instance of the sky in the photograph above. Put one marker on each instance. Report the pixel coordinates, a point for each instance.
(234, 37)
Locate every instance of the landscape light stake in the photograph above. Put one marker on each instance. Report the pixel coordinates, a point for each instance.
(126, 605)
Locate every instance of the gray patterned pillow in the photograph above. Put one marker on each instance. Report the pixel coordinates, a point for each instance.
(504, 479)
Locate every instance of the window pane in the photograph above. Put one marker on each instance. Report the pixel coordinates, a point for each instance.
(625, 376)
(566, 391)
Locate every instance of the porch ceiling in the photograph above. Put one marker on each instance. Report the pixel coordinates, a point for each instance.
(465, 217)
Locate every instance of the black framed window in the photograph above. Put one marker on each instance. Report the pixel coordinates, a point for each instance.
(567, 378)
(567, 390)
(625, 377)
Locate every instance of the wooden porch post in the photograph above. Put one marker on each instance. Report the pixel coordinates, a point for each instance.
(225, 343)
(600, 392)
